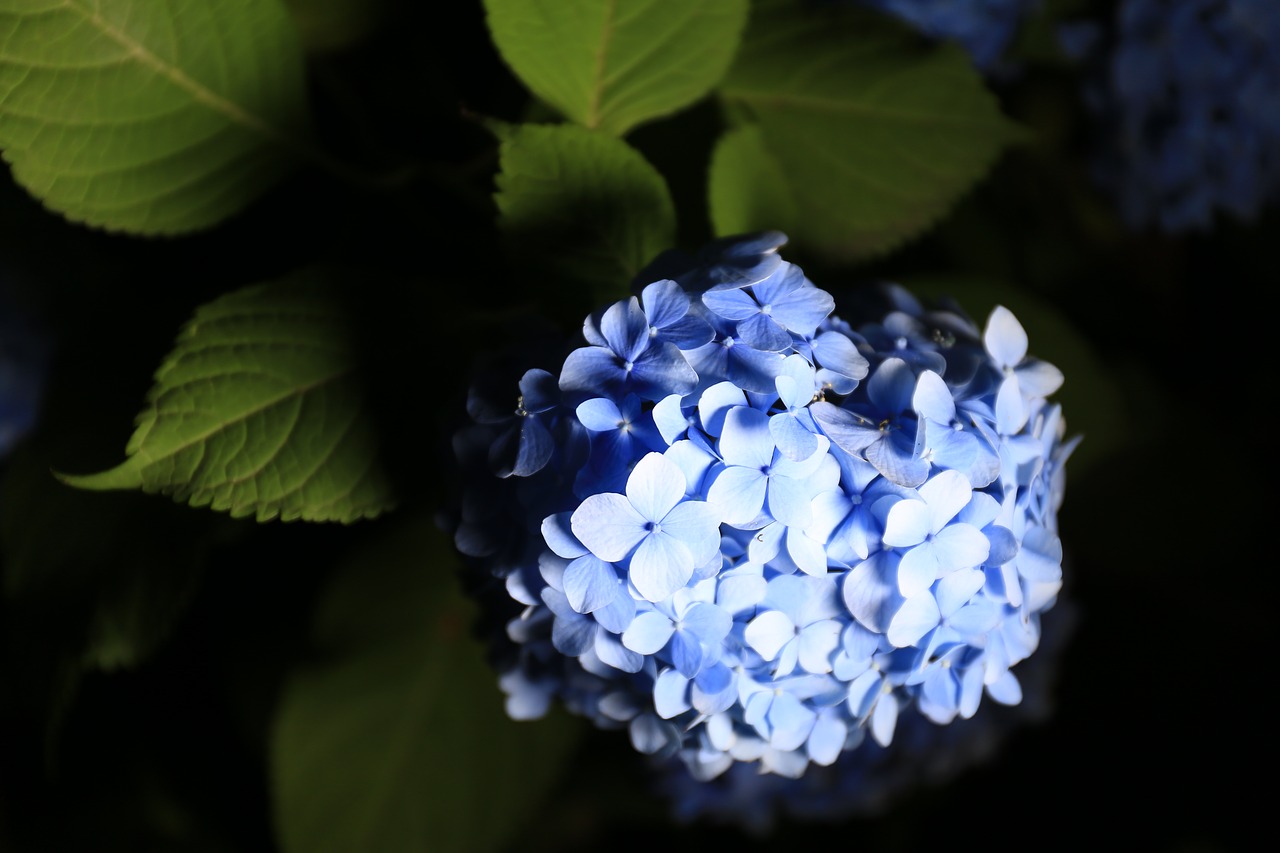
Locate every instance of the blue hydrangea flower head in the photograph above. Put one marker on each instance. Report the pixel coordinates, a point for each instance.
(753, 533)
(984, 28)
(1186, 99)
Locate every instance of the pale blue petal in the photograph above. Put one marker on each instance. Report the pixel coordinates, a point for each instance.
(1040, 559)
(917, 617)
(608, 525)
(816, 645)
(715, 689)
(746, 439)
(946, 494)
(918, 569)
(662, 370)
(731, 304)
(871, 590)
(802, 309)
(593, 370)
(793, 438)
(769, 632)
(976, 618)
(697, 525)
(686, 653)
(590, 583)
(892, 386)
(716, 402)
(1005, 338)
(660, 566)
(788, 501)
(736, 594)
(664, 302)
(884, 719)
(790, 722)
(932, 398)
(737, 494)
(670, 419)
(1039, 378)
(762, 332)
(766, 543)
(655, 486)
(970, 691)
(1006, 690)
(826, 741)
(955, 590)
(709, 623)
(1011, 409)
(809, 555)
(652, 736)
(648, 633)
(851, 432)
(670, 692)
(694, 462)
(616, 616)
(599, 414)
(611, 651)
(558, 535)
(898, 459)
(960, 546)
(908, 523)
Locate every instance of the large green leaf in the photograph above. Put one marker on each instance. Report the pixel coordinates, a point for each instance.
(876, 132)
(149, 116)
(612, 64)
(583, 205)
(396, 739)
(259, 410)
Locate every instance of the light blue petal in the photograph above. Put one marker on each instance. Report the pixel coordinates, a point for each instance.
(715, 689)
(731, 304)
(955, 590)
(558, 535)
(932, 398)
(1040, 559)
(599, 414)
(648, 633)
(946, 493)
(970, 691)
(851, 432)
(697, 525)
(788, 501)
(693, 461)
(1038, 378)
(664, 302)
(716, 402)
(686, 653)
(626, 329)
(1011, 409)
(826, 740)
(816, 645)
(608, 525)
(737, 494)
(864, 691)
(809, 555)
(917, 617)
(752, 369)
(892, 386)
(793, 438)
(769, 632)
(670, 692)
(960, 546)
(1006, 690)
(655, 486)
(1004, 337)
(884, 719)
(709, 623)
(908, 523)
(918, 569)
(746, 439)
(652, 736)
(662, 370)
(670, 419)
(898, 459)
(802, 309)
(660, 566)
(590, 583)
(871, 590)
(790, 722)
(766, 543)
(593, 370)
(611, 651)
(976, 618)
(616, 616)
(736, 594)
(761, 332)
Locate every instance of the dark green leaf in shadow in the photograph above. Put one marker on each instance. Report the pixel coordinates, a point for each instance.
(395, 739)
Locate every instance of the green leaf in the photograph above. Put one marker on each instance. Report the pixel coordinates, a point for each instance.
(739, 206)
(612, 64)
(396, 740)
(877, 133)
(583, 205)
(146, 116)
(259, 409)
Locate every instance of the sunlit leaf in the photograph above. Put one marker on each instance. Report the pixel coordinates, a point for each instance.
(612, 64)
(396, 738)
(259, 410)
(585, 205)
(149, 116)
(876, 132)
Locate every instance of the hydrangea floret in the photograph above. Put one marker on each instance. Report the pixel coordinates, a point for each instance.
(750, 533)
(983, 27)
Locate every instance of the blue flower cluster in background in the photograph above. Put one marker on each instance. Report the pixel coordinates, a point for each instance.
(23, 353)
(983, 27)
(751, 532)
(1187, 98)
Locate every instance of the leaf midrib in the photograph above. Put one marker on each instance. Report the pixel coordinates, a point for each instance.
(598, 80)
(198, 91)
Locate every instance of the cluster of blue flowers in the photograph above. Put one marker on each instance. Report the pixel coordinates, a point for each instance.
(749, 532)
(983, 27)
(1187, 98)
